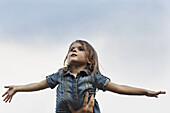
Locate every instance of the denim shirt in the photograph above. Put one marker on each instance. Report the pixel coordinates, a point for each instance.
(71, 90)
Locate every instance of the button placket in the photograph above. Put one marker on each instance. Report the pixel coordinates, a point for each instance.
(76, 92)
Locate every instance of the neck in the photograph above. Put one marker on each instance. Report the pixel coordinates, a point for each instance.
(76, 69)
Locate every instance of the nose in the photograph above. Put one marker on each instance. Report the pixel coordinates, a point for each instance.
(74, 50)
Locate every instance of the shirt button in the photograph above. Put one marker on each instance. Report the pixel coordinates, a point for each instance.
(76, 98)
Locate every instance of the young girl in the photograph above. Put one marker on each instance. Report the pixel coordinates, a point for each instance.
(80, 75)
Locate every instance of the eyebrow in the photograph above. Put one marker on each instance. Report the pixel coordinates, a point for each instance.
(75, 47)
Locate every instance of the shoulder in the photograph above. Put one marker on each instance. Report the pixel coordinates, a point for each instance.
(100, 77)
(59, 72)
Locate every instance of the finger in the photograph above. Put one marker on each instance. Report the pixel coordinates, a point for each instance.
(4, 93)
(163, 92)
(157, 93)
(6, 98)
(71, 109)
(85, 99)
(10, 99)
(91, 110)
(6, 86)
(160, 92)
(91, 102)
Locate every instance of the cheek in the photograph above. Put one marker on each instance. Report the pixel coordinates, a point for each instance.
(84, 57)
(81, 54)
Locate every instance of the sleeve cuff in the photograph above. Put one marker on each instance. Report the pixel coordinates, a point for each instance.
(49, 82)
(105, 84)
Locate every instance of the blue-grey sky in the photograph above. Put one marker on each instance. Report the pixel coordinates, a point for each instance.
(131, 37)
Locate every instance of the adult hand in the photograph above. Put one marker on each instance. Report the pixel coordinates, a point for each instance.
(87, 107)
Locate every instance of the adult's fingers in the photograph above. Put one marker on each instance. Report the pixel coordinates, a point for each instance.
(91, 101)
(85, 99)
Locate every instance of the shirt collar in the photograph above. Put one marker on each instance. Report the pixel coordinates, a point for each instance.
(81, 72)
(85, 71)
(68, 72)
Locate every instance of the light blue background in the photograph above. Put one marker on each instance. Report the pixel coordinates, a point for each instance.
(131, 37)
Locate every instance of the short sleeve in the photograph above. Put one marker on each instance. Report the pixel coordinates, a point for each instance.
(101, 82)
(53, 79)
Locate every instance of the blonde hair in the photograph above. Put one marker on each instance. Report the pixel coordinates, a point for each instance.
(93, 66)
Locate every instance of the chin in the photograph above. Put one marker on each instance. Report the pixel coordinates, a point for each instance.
(72, 62)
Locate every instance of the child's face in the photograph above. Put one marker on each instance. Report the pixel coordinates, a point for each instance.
(77, 55)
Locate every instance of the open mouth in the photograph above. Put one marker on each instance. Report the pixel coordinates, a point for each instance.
(73, 55)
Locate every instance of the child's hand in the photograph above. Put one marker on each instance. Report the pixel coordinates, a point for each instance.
(9, 93)
(154, 93)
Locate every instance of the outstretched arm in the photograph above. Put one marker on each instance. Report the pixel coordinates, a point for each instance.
(127, 90)
(23, 88)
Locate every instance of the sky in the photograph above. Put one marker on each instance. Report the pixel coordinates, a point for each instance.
(131, 38)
